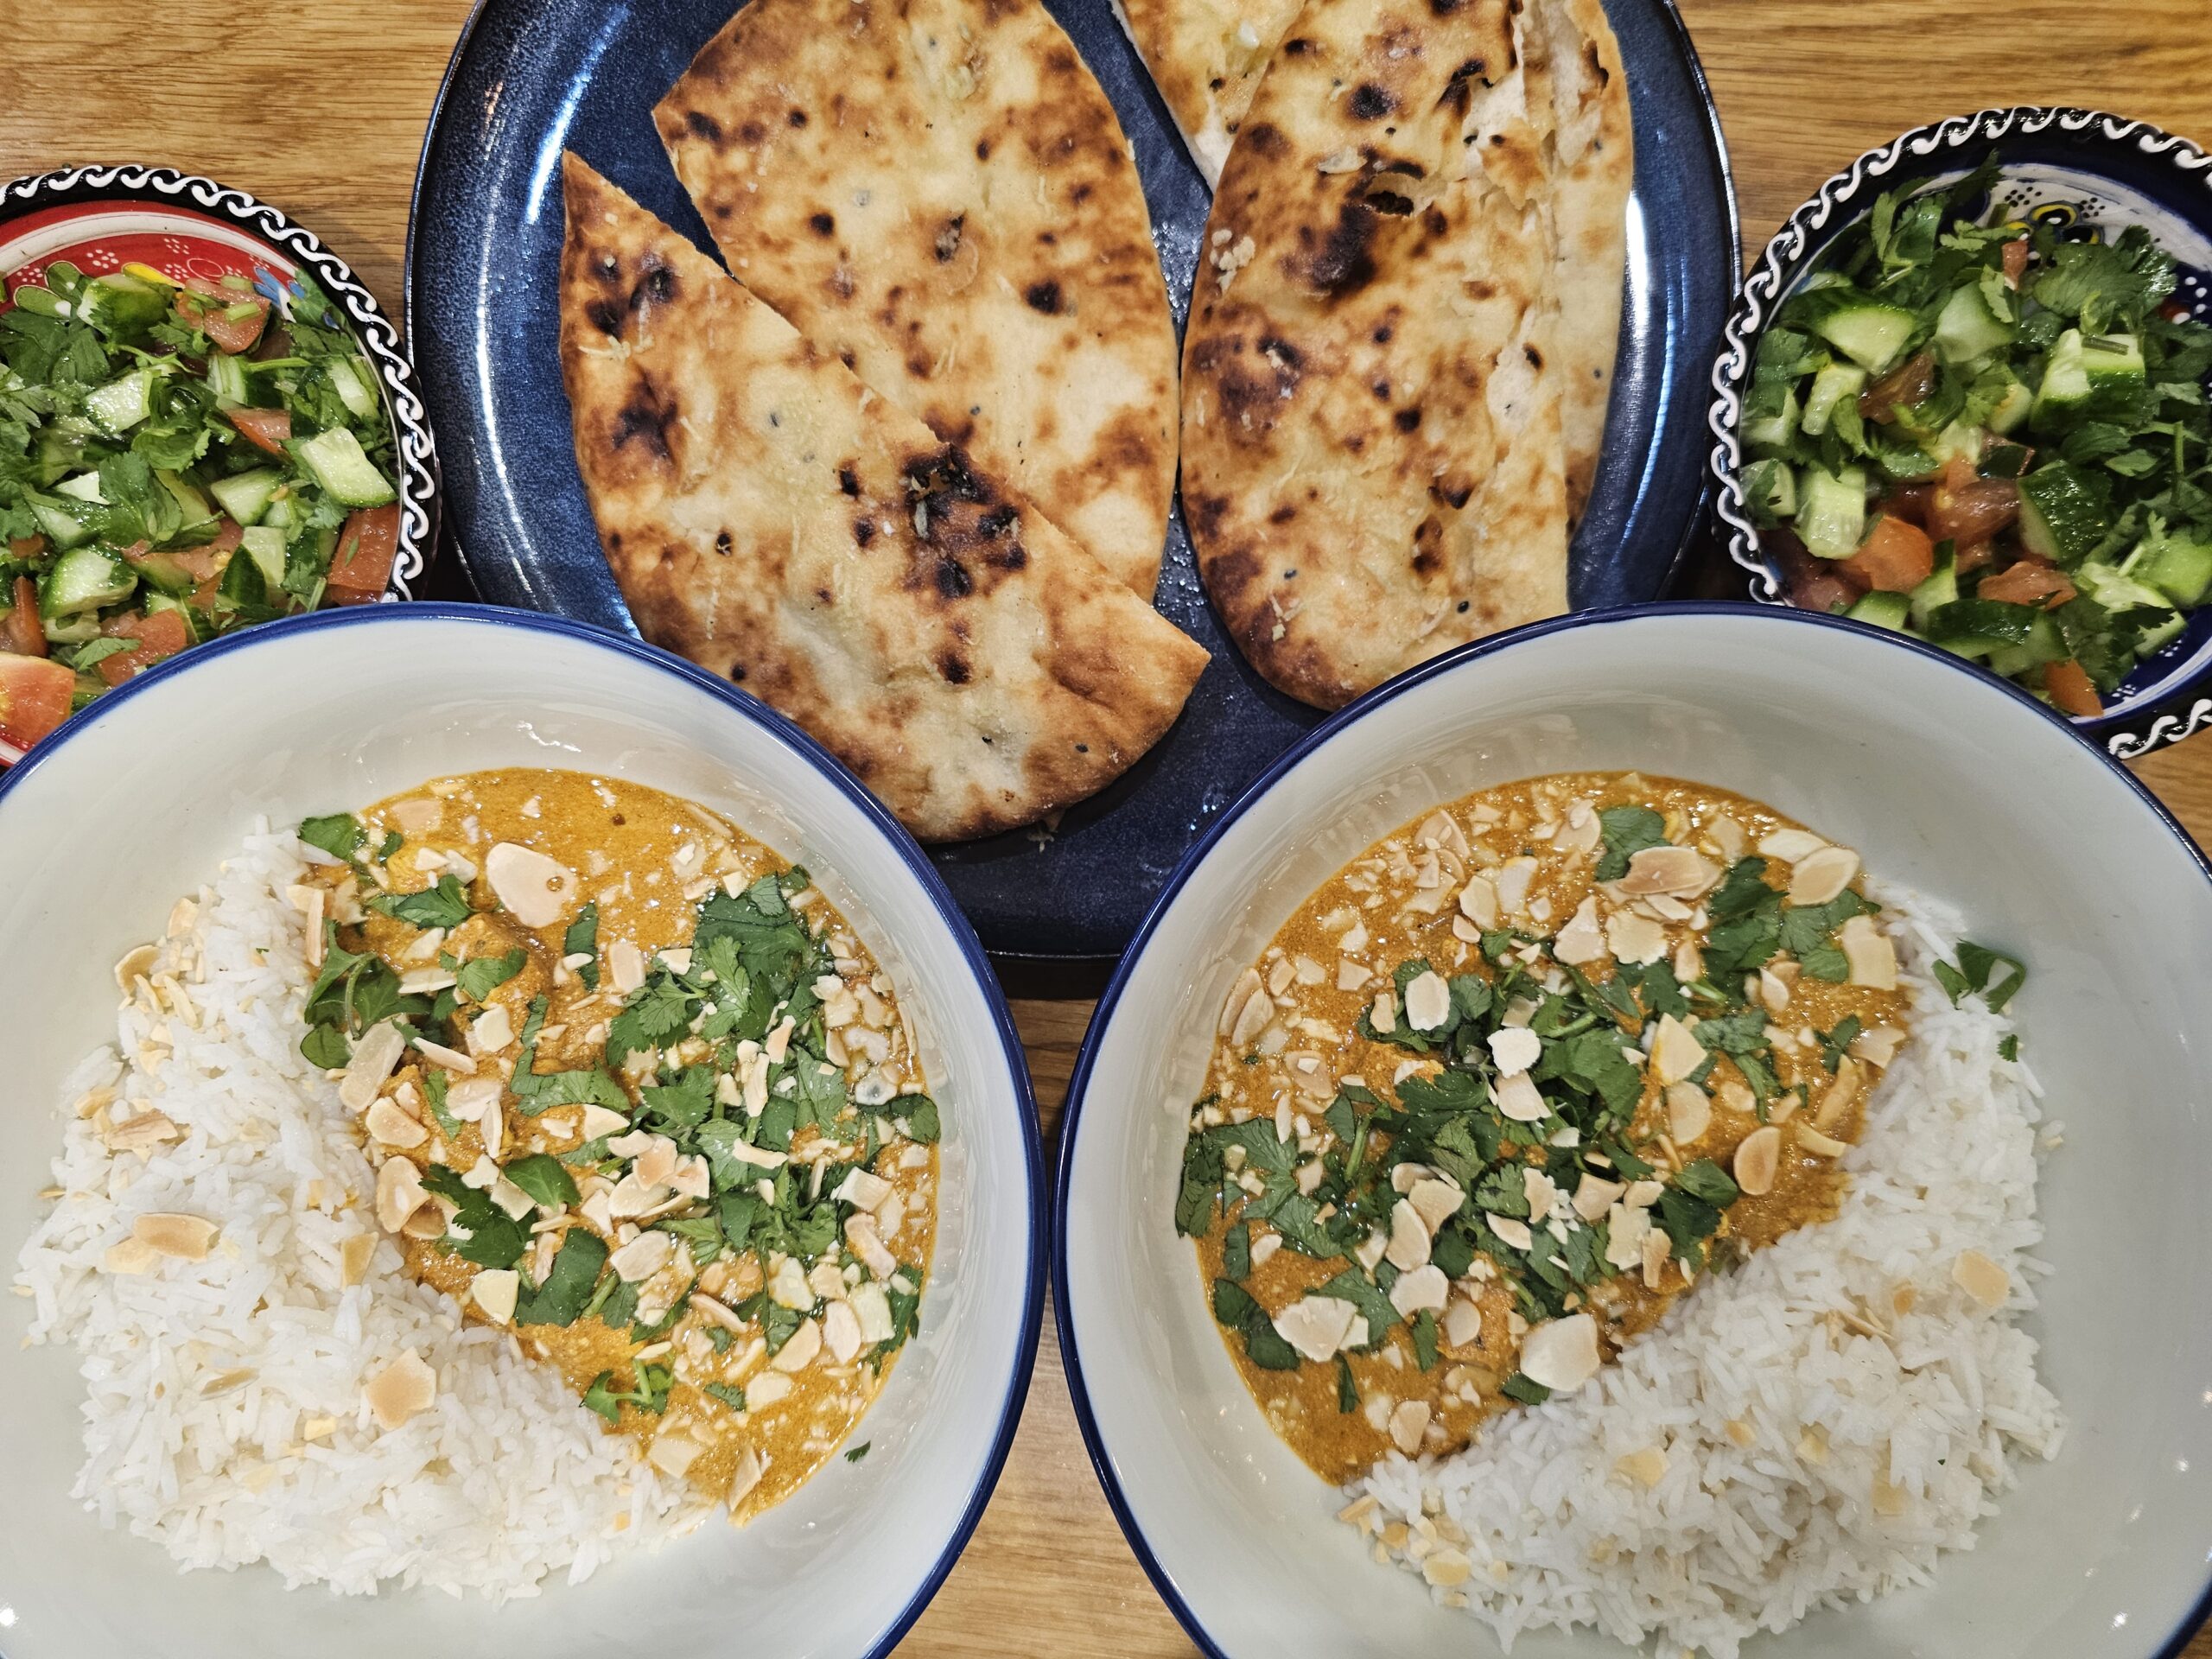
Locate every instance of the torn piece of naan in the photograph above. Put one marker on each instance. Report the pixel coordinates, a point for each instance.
(1206, 57)
(1373, 463)
(939, 191)
(773, 519)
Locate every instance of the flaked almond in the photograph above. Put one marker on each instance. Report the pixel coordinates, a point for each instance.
(1515, 1232)
(1408, 1246)
(1515, 1049)
(387, 1123)
(841, 1333)
(766, 1389)
(1758, 1157)
(536, 890)
(1677, 871)
(130, 1257)
(1407, 1424)
(1561, 1354)
(1873, 959)
(643, 1256)
(137, 964)
(141, 1134)
(1447, 1568)
(1740, 1434)
(598, 1120)
(1239, 994)
(1318, 1326)
(673, 1454)
(1428, 1001)
(801, 1351)
(1436, 1201)
(491, 1030)
(626, 966)
(1594, 1196)
(452, 1059)
(866, 1242)
(1462, 1324)
(1729, 838)
(1836, 1098)
(1790, 845)
(1689, 1112)
(1675, 1050)
(1627, 1230)
(1424, 1288)
(1819, 877)
(187, 1238)
(1821, 1145)
(1520, 1100)
(745, 1475)
(1981, 1278)
(1657, 1250)
(1774, 990)
(400, 1390)
(374, 1056)
(1636, 938)
(1647, 1467)
(1582, 940)
(1878, 1046)
(715, 1313)
(1479, 901)
(1541, 1192)
(354, 1254)
(493, 1291)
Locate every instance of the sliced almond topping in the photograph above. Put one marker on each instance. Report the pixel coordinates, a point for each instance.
(1541, 1191)
(642, 1257)
(1318, 1326)
(141, 1134)
(1408, 1246)
(1519, 1098)
(136, 965)
(387, 1123)
(744, 1477)
(626, 966)
(1821, 876)
(491, 1030)
(1561, 1354)
(1741, 1432)
(1821, 1145)
(1689, 1112)
(1515, 1049)
(1479, 901)
(1677, 871)
(1582, 940)
(1675, 1050)
(1462, 1324)
(1790, 845)
(1981, 1278)
(1646, 1468)
(354, 1254)
(599, 1121)
(130, 1257)
(1757, 1160)
(867, 1243)
(1447, 1568)
(801, 1351)
(494, 1291)
(1878, 1046)
(1512, 1230)
(841, 1333)
(452, 1059)
(1594, 1196)
(185, 1237)
(1873, 959)
(1424, 1288)
(1656, 1252)
(374, 1056)
(766, 1390)
(1436, 1201)
(1407, 1424)
(536, 890)
(401, 1390)
(1836, 1098)
(1428, 1001)
(1636, 938)
(673, 1454)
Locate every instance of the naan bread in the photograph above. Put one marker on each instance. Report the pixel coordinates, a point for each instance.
(775, 521)
(1373, 463)
(1206, 57)
(939, 191)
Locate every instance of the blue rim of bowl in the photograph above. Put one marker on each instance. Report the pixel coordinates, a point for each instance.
(2166, 720)
(917, 865)
(413, 442)
(1102, 1016)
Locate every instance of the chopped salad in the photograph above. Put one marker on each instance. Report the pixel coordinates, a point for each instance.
(1990, 436)
(177, 459)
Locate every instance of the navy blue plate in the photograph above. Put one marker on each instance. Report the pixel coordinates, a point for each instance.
(2089, 174)
(532, 76)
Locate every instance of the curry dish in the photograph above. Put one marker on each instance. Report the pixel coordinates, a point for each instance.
(1509, 1083)
(637, 1091)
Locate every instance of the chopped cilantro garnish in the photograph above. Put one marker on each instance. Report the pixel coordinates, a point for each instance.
(336, 833)
(582, 940)
(444, 905)
(561, 1299)
(1976, 972)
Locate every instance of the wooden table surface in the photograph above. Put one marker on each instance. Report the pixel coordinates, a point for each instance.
(319, 108)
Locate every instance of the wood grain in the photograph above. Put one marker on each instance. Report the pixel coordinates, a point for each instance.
(319, 108)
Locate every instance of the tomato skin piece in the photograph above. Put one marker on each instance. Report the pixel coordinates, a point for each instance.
(203, 305)
(2016, 260)
(1815, 584)
(2070, 690)
(160, 634)
(362, 562)
(25, 637)
(264, 429)
(35, 697)
(2028, 581)
(1895, 558)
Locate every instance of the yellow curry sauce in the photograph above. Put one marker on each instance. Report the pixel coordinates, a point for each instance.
(739, 1365)
(1499, 898)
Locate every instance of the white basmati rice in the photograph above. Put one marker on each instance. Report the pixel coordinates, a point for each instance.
(1534, 1526)
(504, 1479)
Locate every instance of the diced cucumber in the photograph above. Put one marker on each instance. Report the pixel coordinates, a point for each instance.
(1960, 441)
(1968, 331)
(2116, 590)
(158, 602)
(121, 303)
(2063, 515)
(226, 379)
(194, 504)
(349, 378)
(70, 630)
(2005, 460)
(1870, 334)
(1832, 512)
(242, 582)
(1980, 627)
(61, 449)
(85, 486)
(265, 546)
(338, 464)
(83, 579)
(1770, 432)
(2180, 567)
(2086, 378)
(1939, 589)
(121, 405)
(2012, 409)
(246, 496)
(1883, 610)
(62, 527)
(1830, 387)
(164, 573)
(1770, 492)
(2044, 644)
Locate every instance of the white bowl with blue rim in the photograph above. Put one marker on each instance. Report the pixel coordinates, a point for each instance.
(135, 802)
(2088, 174)
(1944, 778)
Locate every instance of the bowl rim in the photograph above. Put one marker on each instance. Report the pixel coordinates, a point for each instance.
(415, 445)
(2186, 707)
(1102, 1016)
(745, 707)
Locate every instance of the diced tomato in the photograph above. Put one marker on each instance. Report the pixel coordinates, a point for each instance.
(31, 547)
(1974, 556)
(1966, 508)
(25, 637)
(362, 563)
(2028, 581)
(227, 536)
(2016, 260)
(1896, 558)
(1815, 584)
(209, 307)
(2071, 690)
(34, 695)
(162, 634)
(264, 429)
(1907, 383)
(1910, 502)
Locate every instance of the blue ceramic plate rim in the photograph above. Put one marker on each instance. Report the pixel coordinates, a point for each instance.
(1102, 1016)
(2184, 706)
(916, 861)
(1657, 509)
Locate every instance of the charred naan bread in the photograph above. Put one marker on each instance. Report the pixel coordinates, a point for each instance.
(1206, 57)
(773, 519)
(938, 192)
(1373, 463)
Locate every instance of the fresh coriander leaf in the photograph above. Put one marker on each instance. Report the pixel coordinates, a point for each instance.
(702, 1235)
(1707, 1181)
(857, 1453)
(336, 833)
(1525, 1388)
(582, 940)
(1347, 1389)
(541, 1175)
(732, 1397)
(921, 1115)
(1836, 1042)
(480, 976)
(684, 1101)
(1977, 971)
(561, 1298)
(1424, 1331)
(435, 1086)
(443, 905)
(656, 1011)
(325, 1046)
(393, 841)
(1627, 830)
(2009, 1047)
(1237, 1251)
(1354, 1287)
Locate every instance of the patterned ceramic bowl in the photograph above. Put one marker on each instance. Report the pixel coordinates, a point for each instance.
(2088, 174)
(101, 217)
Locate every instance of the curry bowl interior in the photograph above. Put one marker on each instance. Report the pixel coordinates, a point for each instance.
(1943, 780)
(103, 829)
